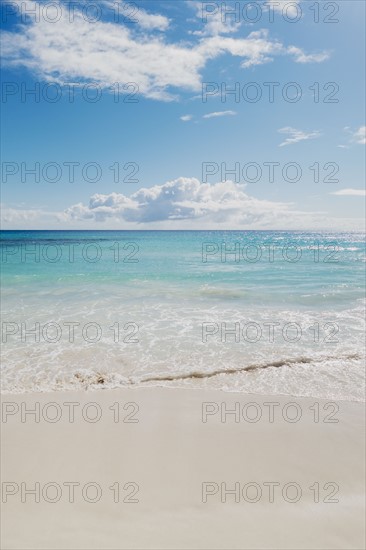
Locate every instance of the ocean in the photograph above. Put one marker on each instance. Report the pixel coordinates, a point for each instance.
(262, 312)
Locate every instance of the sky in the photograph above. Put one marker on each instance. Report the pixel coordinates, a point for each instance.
(165, 114)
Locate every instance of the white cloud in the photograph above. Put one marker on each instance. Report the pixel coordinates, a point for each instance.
(187, 203)
(359, 136)
(296, 135)
(144, 19)
(186, 118)
(350, 193)
(105, 52)
(219, 114)
(302, 57)
(355, 136)
(216, 19)
(184, 200)
(255, 49)
(184, 203)
(25, 217)
(221, 18)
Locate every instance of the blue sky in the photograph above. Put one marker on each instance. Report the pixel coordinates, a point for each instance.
(166, 137)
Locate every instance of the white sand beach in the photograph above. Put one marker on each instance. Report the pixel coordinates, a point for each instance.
(169, 468)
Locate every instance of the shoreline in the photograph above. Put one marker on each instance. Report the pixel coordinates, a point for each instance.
(137, 388)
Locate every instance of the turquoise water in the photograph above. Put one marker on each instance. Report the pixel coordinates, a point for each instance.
(294, 298)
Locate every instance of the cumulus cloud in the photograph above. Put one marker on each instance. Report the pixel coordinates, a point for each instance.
(183, 203)
(350, 193)
(187, 203)
(73, 49)
(179, 200)
(219, 114)
(296, 135)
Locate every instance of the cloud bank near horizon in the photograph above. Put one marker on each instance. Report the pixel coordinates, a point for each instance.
(183, 203)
